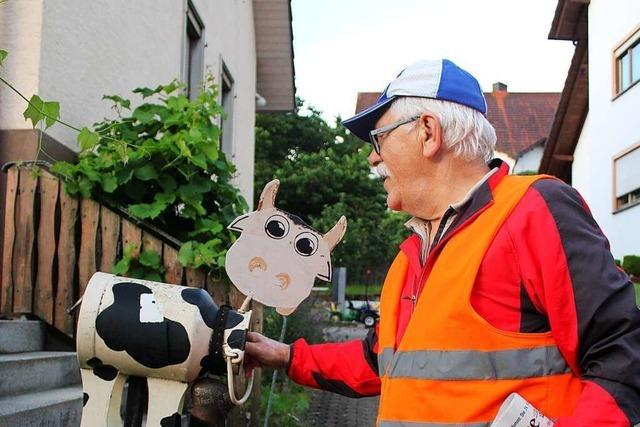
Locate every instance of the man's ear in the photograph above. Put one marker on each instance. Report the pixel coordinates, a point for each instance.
(430, 135)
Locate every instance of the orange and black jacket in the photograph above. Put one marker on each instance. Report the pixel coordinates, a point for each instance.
(549, 268)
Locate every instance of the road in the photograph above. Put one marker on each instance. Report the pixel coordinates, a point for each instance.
(329, 409)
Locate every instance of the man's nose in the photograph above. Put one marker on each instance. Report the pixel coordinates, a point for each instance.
(374, 158)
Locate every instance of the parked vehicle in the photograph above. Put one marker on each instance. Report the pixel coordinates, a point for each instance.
(364, 313)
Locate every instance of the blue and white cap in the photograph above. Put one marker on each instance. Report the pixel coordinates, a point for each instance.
(437, 79)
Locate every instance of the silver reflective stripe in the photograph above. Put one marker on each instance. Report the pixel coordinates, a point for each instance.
(479, 365)
(385, 357)
(416, 424)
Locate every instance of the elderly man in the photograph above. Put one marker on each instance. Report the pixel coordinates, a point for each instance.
(506, 285)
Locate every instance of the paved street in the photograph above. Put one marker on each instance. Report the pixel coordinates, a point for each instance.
(329, 409)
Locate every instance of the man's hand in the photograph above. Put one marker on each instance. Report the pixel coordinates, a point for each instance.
(262, 351)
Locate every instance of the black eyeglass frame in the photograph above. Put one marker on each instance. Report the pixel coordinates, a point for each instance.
(375, 133)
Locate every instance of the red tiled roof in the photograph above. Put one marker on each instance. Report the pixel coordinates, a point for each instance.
(521, 119)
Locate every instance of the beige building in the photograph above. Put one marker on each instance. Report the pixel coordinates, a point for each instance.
(75, 51)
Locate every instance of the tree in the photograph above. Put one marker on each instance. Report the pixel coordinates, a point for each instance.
(324, 174)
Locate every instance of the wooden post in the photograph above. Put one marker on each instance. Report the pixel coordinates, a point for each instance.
(44, 298)
(6, 291)
(110, 234)
(131, 233)
(24, 243)
(66, 262)
(195, 277)
(173, 271)
(89, 217)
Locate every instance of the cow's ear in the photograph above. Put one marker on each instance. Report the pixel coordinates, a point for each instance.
(239, 223)
(268, 196)
(325, 274)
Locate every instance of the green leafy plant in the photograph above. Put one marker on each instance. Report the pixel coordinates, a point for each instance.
(161, 161)
(147, 265)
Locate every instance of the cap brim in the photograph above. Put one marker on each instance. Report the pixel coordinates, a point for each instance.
(365, 121)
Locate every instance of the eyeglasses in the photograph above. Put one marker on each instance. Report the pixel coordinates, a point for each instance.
(374, 135)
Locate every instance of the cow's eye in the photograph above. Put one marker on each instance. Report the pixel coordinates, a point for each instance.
(277, 226)
(306, 244)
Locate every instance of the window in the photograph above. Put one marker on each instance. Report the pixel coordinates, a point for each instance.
(194, 52)
(626, 175)
(627, 63)
(228, 96)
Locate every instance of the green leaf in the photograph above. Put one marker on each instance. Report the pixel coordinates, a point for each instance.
(125, 103)
(147, 92)
(87, 139)
(129, 249)
(144, 114)
(84, 187)
(51, 110)
(109, 183)
(210, 150)
(146, 172)
(3, 55)
(147, 210)
(34, 110)
(167, 183)
(186, 254)
(121, 268)
(150, 259)
(199, 160)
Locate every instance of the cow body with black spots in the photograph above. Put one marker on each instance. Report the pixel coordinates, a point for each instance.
(130, 327)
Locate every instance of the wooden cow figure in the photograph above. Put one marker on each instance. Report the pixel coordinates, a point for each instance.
(277, 256)
(148, 329)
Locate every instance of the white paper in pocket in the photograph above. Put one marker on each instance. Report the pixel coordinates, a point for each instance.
(517, 412)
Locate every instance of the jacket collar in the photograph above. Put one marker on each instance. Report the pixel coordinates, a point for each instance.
(477, 199)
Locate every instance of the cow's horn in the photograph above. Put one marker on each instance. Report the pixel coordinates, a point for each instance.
(268, 196)
(333, 236)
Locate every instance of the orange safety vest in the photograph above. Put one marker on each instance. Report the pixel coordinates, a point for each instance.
(452, 367)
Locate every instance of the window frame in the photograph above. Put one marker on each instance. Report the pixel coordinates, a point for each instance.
(227, 92)
(193, 24)
(630, 41)
(614, 198)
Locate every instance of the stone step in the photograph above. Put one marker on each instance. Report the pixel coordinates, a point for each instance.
(17, 336)
(37, 371)
(51, 408)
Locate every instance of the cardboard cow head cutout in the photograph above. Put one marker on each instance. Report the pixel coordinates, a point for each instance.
(277, 256)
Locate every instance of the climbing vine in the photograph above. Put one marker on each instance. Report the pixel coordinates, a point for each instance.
(160, 161)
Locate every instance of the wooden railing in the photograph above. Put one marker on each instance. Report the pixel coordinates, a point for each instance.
(53, 243)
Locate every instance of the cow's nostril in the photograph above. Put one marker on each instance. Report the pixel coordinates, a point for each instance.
(284, 280)
(257, 263)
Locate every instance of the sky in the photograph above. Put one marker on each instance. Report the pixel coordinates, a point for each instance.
(343, 47)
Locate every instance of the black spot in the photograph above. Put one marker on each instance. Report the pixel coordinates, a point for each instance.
(171, 421)
(102, 371)
(154, 345)
(201, 299)
(85, 399)
(297, 220)
(233, 320)
(237, 339)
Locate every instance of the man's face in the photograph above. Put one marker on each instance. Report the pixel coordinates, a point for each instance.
(399, 163)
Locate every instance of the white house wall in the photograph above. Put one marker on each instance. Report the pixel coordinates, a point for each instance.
(20, 30)
(613, 124)
(529, 161)
(85, 49)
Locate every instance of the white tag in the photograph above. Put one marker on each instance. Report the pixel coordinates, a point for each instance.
(150, 310)
(517, 412)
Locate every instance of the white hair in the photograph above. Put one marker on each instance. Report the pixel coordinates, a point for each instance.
(466, 131)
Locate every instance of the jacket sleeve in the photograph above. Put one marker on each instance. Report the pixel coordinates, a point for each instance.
(590, 303)
(349, 368)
